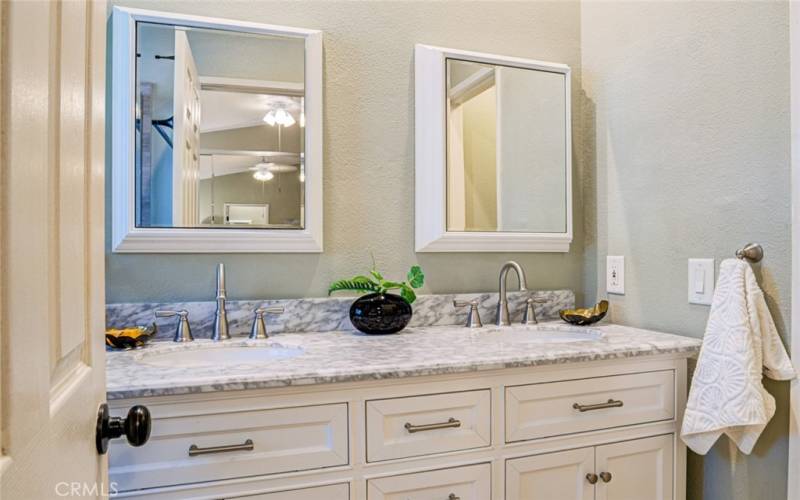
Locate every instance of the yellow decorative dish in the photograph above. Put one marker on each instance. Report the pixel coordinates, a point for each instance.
(586, 316)
(129, 338)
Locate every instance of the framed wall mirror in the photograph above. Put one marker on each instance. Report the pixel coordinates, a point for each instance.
(216, 135)
(493, 153)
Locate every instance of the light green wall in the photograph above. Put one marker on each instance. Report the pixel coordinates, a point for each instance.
(369, 149)
(686, 128)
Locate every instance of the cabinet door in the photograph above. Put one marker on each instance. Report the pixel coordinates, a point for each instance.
(632, 470)
(332, 492)
(472, 482)
(551, 476)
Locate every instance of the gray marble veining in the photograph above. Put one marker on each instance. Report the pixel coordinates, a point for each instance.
(346, 356)
(329, 313)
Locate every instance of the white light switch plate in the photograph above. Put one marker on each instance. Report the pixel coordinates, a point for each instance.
(615, 274)
(701, 281)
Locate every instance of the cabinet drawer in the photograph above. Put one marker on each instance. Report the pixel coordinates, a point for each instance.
(555, 408)
(331, 492)
(207, 447)
(421, 425)
(472, 482)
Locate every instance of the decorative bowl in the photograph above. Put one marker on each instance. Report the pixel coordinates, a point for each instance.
(585, 316)
(129, 338)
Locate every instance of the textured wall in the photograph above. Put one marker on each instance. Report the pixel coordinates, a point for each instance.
(369, 161)
(686, 123)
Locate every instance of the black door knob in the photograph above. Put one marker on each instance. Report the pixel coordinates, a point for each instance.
(135, 427)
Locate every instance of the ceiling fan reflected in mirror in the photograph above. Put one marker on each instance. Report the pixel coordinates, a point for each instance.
(266, 170)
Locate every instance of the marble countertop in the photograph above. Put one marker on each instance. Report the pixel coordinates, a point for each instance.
(331, 357)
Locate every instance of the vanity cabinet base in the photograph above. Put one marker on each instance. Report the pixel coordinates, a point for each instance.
(509, 434)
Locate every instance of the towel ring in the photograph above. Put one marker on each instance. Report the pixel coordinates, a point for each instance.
(752, 252)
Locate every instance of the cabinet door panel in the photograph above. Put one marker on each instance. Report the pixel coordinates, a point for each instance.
(472, 482)
(642, 468)
(332, 492)
(551, 476)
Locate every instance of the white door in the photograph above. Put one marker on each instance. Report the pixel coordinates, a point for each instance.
(565, 475)
(186, 135)
(633, 470)
(51, 230)
(471, 482)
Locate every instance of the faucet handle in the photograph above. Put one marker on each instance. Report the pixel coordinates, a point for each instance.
(473, 317)
(529, 316)
(183, 332)
(259, 329)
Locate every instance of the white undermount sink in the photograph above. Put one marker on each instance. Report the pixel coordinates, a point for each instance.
(544, 334)
(220, 356)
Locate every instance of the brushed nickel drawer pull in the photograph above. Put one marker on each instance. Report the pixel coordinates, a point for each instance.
(451, 422)
(452, 496)
(611, 403)
(194, 450)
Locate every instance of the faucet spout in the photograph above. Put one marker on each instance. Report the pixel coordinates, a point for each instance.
(221, 315)
(503, 316)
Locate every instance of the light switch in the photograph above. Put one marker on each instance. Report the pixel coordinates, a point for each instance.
(701, 281)
(615, 274)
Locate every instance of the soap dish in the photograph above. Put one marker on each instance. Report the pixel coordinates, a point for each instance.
(586, 316)
(129, 338)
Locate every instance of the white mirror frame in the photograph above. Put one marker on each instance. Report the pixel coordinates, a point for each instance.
(126, 237)
(430, 144)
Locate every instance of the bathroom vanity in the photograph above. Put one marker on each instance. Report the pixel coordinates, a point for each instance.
(547, 411)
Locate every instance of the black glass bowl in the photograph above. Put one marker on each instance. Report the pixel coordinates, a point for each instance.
(380, 314)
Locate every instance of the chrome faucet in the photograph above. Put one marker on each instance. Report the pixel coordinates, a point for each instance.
(221, 316)
(503, 318)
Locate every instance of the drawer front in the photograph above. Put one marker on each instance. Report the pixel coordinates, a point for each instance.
(472, 482)
(194, 448)
(556, 408)
(331, 492)
(422, 425)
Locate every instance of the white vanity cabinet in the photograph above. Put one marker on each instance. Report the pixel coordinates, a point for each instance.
(599, 430)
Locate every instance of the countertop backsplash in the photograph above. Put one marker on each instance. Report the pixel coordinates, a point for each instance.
(329, 314)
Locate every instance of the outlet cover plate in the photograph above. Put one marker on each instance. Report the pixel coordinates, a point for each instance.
(615, 274)
(701, 281)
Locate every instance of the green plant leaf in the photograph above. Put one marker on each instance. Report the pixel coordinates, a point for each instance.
(408, 293)
(376, 274)
(354, 285)
(416, 278)
(392, 285)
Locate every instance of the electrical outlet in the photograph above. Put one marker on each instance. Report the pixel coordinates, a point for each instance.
(701, 281)
(615, 274)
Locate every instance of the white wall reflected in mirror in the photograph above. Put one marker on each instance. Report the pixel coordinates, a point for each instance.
(505, 149)
(492, 153)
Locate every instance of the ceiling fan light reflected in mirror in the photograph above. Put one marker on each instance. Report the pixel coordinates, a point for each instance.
(279, 117)
(263, 175)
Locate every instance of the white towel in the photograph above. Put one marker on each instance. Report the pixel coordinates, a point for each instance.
(727, 396)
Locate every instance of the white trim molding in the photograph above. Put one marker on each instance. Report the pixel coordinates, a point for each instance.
(126, 237)
(430, 144)
(793, 486)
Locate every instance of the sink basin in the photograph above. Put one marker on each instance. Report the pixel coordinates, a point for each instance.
(221, 356)
(544, 334)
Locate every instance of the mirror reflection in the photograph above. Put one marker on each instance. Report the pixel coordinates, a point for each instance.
(219, 129)
(506, 149)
